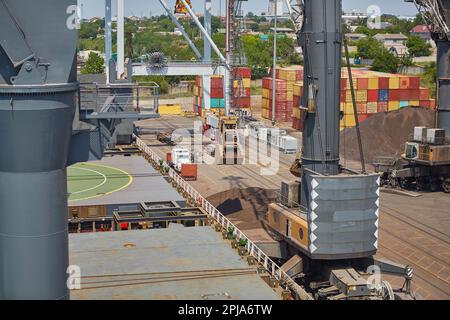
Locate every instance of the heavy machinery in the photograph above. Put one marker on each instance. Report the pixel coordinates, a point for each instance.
(228, 141)
(180, 8)
(42, 131)
(332, 230)
(426, 162)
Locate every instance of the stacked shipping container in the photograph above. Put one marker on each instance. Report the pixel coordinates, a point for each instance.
(288, 93)
(241, 92)
(242, 88)
(380, 92)
(374, 92)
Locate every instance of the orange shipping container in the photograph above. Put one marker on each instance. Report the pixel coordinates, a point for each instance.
(189, 171)
(404, 83)
(424, 94)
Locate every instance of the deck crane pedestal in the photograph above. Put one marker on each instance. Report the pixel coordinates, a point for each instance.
(332, 226)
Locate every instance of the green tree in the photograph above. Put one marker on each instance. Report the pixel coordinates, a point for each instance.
(418, 47)
(368, 48)
(385, 61)
(428, 78)
(94, 64)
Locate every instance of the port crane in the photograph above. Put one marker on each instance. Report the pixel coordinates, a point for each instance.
(426, 161)
(329, 218)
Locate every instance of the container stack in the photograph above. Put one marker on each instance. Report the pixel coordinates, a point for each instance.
(216, 95)
(288, 93)
(297, 113)
(242, 87)
(241, 92)
(377, 92)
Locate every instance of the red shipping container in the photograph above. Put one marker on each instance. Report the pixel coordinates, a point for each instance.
(343, 96)
(362, 83)
(393, 95)
(242, 72)
(413, 94)
(414, 82)
(242, 102)
(383, 106)
(241, 92)
(297, 124)
(198, 81)
(217, 93)
(372, 95)
(280, 84)
(216, 83)
(343, 84)
(425, 103)
(432, 103)
(297, 101)
(403, 95)
(362, 117)
(404, 83)
(361, 107)
(424, 94)
(189, 171)
(383, 83)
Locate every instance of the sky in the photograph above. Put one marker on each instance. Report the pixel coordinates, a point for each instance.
(93, 8)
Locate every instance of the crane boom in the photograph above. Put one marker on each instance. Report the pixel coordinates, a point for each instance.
(435, 14)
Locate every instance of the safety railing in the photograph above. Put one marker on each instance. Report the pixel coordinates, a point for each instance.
(215, 214)
(117, 98)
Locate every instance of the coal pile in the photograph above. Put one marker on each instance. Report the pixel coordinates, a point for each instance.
(246, 208)
(384, 134)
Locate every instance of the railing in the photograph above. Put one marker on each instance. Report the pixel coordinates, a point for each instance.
(214, 213)
(121, 97)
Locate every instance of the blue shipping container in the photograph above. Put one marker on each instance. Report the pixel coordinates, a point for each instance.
(404, 104)
(383, 95)
(217, 103)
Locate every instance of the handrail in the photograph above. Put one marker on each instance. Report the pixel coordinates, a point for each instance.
(213, 212)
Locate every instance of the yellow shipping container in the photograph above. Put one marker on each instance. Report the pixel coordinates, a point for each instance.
(265, 114)
(414, 103)
(394, 83)
(349, 108)
(361, 95)
(290, 96)
(349, 121)
(286, 74)
(235, 84)
(393, 105)
(247, 83)
(296, 113)
(373, 83)
(265, 103)
(372, 107)
(348, 96)
(169, 109)
(265, 93)
(298, 89)
(342, 108)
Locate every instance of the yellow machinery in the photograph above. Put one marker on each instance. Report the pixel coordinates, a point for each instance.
(180, 8)
(228, 139)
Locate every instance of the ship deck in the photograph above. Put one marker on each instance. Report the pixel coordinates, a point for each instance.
(177, 263)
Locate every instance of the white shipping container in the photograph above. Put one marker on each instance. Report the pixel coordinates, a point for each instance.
(436, 136)
(288, 144)
(420, 134)
(213, 121)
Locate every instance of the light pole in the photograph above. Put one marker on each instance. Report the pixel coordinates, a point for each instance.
(274, 68)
